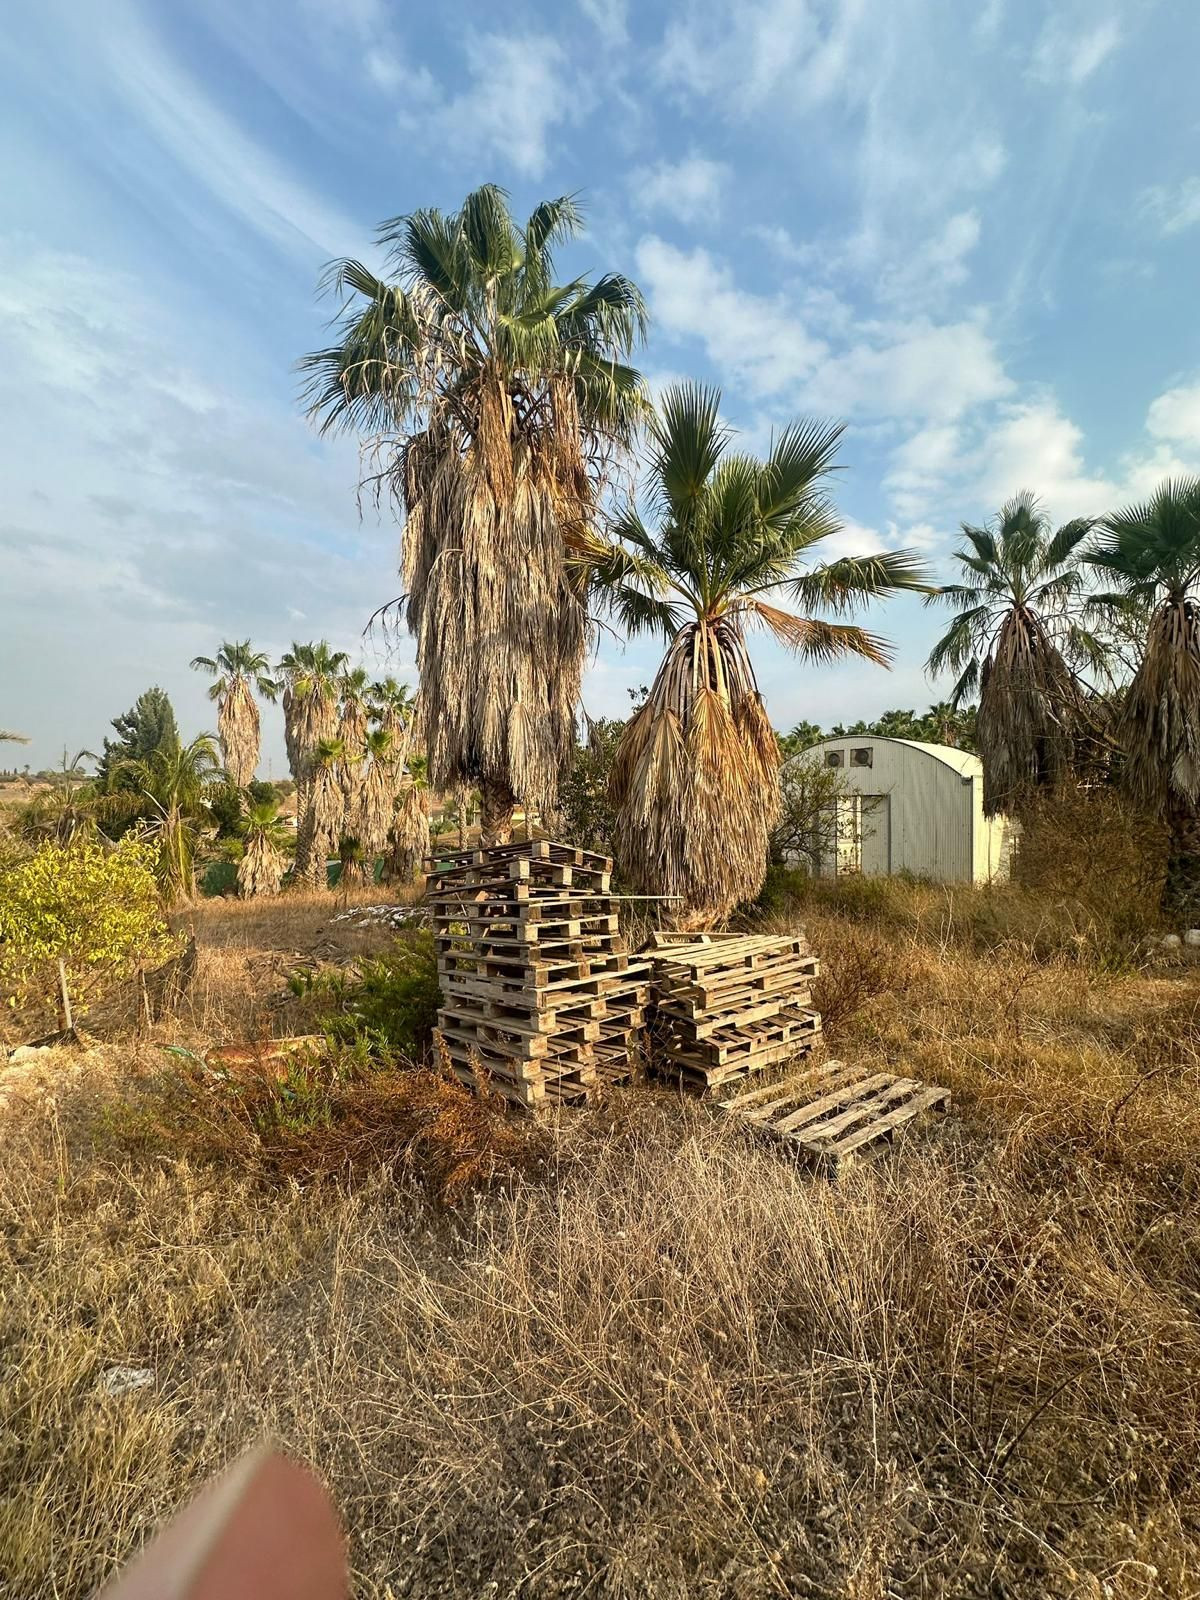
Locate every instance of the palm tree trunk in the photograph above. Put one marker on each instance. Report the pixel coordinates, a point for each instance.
(497, 803)
(1181, 892)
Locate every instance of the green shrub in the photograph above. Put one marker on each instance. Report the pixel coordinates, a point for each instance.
(220, 877)
(77, 918)
(391, 1005)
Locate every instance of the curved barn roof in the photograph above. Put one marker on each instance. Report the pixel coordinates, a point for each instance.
(964, 762)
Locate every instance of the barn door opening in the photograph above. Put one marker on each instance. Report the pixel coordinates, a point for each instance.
(875, 835)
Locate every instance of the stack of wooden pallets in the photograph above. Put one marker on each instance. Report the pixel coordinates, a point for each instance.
(540, 995)
(730, 1005)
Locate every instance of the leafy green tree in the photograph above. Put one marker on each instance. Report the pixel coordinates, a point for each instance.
(1151, 553)
(148, 727)
(585, 804)
(1018, 629)
(502, 395)
(802, 737)
(76, 917)
(696, 778)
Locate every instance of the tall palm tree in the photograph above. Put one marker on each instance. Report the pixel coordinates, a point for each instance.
(392, 709)
(409, 834)
(497, 398)
(377, 796)
(311, 676)
(261, 868)
(1017, 634)
(178, 780)
(8, 737)
(695, 781)
(354, 721)
(1151, 552)
(238, 672)
(321, 826)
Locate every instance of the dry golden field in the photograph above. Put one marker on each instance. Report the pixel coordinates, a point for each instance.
(624, 1351)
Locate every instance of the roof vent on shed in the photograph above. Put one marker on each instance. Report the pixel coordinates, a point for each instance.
(862, 757)
(833, 758)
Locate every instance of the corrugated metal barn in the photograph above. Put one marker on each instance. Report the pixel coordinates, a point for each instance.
(910, 807)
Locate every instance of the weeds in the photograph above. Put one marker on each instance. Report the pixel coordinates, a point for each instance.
(637, 1354)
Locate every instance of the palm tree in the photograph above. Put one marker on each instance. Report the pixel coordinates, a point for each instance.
(1152, 554)
(177, 780)
(1012, 640)
(498, 399)
(377, 796)
(321, 825)
(73, 808)
(354, 721)
(392, 709)
(409, 834)
(311, 677)
(695, 781)
(7, 737)
(264, 837)
(238, 672)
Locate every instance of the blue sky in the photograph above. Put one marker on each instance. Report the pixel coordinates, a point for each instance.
(972, 230)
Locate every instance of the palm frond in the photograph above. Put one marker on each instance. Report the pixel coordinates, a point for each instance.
(854, 580)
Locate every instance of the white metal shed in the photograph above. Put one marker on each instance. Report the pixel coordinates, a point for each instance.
(911, 807)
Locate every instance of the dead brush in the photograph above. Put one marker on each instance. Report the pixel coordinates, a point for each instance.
(856, 966)
(324, 1113)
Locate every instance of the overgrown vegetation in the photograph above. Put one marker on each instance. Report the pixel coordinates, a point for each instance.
(626, 1347)
(389, 1004)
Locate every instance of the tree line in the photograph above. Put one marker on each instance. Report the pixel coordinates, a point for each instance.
(544, 494)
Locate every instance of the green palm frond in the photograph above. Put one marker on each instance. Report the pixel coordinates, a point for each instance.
(852, 581)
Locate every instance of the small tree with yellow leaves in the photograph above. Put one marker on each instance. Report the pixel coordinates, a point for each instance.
(75, 919)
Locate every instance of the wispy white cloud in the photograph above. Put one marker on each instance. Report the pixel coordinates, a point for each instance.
(1067, 52)
(235, 170)
(1175, 416)
(764, 344)
(940, 263)
(521, 88)
(1173, 207)
(610, 19)
(751, 338)
(691, 189)
(746, 52)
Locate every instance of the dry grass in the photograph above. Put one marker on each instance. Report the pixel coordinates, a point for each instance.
(660, 1361)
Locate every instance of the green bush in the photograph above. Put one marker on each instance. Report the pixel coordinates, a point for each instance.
(220, 877)
(391, 1005)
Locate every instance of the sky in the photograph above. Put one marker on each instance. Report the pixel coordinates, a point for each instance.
(969, 230)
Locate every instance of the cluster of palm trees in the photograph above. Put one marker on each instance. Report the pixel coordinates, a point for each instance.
(348, 746)
(497, 406)
(1083, 645)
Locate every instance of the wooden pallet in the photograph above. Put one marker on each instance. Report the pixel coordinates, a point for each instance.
(830, 1115)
